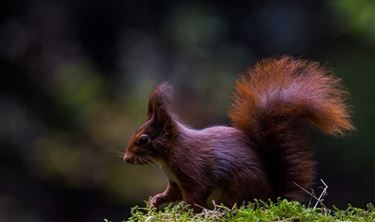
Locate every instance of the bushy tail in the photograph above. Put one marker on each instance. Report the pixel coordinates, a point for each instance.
(269, 104)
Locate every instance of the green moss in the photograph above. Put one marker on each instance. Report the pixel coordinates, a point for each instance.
(283, 210)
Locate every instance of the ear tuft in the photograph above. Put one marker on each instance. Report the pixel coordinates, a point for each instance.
(160, 97)
(158, 107)
(164, 93)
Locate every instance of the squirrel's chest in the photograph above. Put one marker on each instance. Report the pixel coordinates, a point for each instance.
(171, 176)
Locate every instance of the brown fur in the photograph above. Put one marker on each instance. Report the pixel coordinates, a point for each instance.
(263, 156)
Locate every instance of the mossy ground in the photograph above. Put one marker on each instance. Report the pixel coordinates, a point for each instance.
(283, 210)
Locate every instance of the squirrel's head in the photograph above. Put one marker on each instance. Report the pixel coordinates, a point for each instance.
(151, 142)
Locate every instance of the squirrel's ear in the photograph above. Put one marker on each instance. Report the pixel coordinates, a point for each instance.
(158, 105)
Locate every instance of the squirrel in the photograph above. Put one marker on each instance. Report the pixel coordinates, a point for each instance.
(264, 155)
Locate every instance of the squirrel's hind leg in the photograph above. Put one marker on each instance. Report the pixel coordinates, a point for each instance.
(245, 187)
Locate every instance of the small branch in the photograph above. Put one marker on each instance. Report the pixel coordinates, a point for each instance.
(318, 199)
(324, 192)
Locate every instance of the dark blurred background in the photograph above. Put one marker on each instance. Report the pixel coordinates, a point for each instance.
(75, 77)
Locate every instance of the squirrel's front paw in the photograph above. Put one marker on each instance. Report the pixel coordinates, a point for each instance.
(158, 200)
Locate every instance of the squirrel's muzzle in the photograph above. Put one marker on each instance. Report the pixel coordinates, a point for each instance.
(128, 159)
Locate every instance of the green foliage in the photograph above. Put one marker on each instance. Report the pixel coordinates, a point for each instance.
(283, 210)
(359, 15)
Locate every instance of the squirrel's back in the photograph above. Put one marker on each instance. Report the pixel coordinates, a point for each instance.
(273, 103)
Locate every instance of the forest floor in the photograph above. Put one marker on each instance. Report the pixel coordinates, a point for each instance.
(283, 210)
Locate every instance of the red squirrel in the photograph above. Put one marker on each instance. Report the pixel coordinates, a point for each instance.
(263, 155)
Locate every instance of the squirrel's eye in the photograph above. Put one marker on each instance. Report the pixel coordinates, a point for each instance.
(143, 140)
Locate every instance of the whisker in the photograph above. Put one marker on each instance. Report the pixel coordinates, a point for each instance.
(117, 151)
(144, 160)
(150, 161)
(155, 165)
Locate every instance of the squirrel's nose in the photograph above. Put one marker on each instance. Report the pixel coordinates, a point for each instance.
(128, 159)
